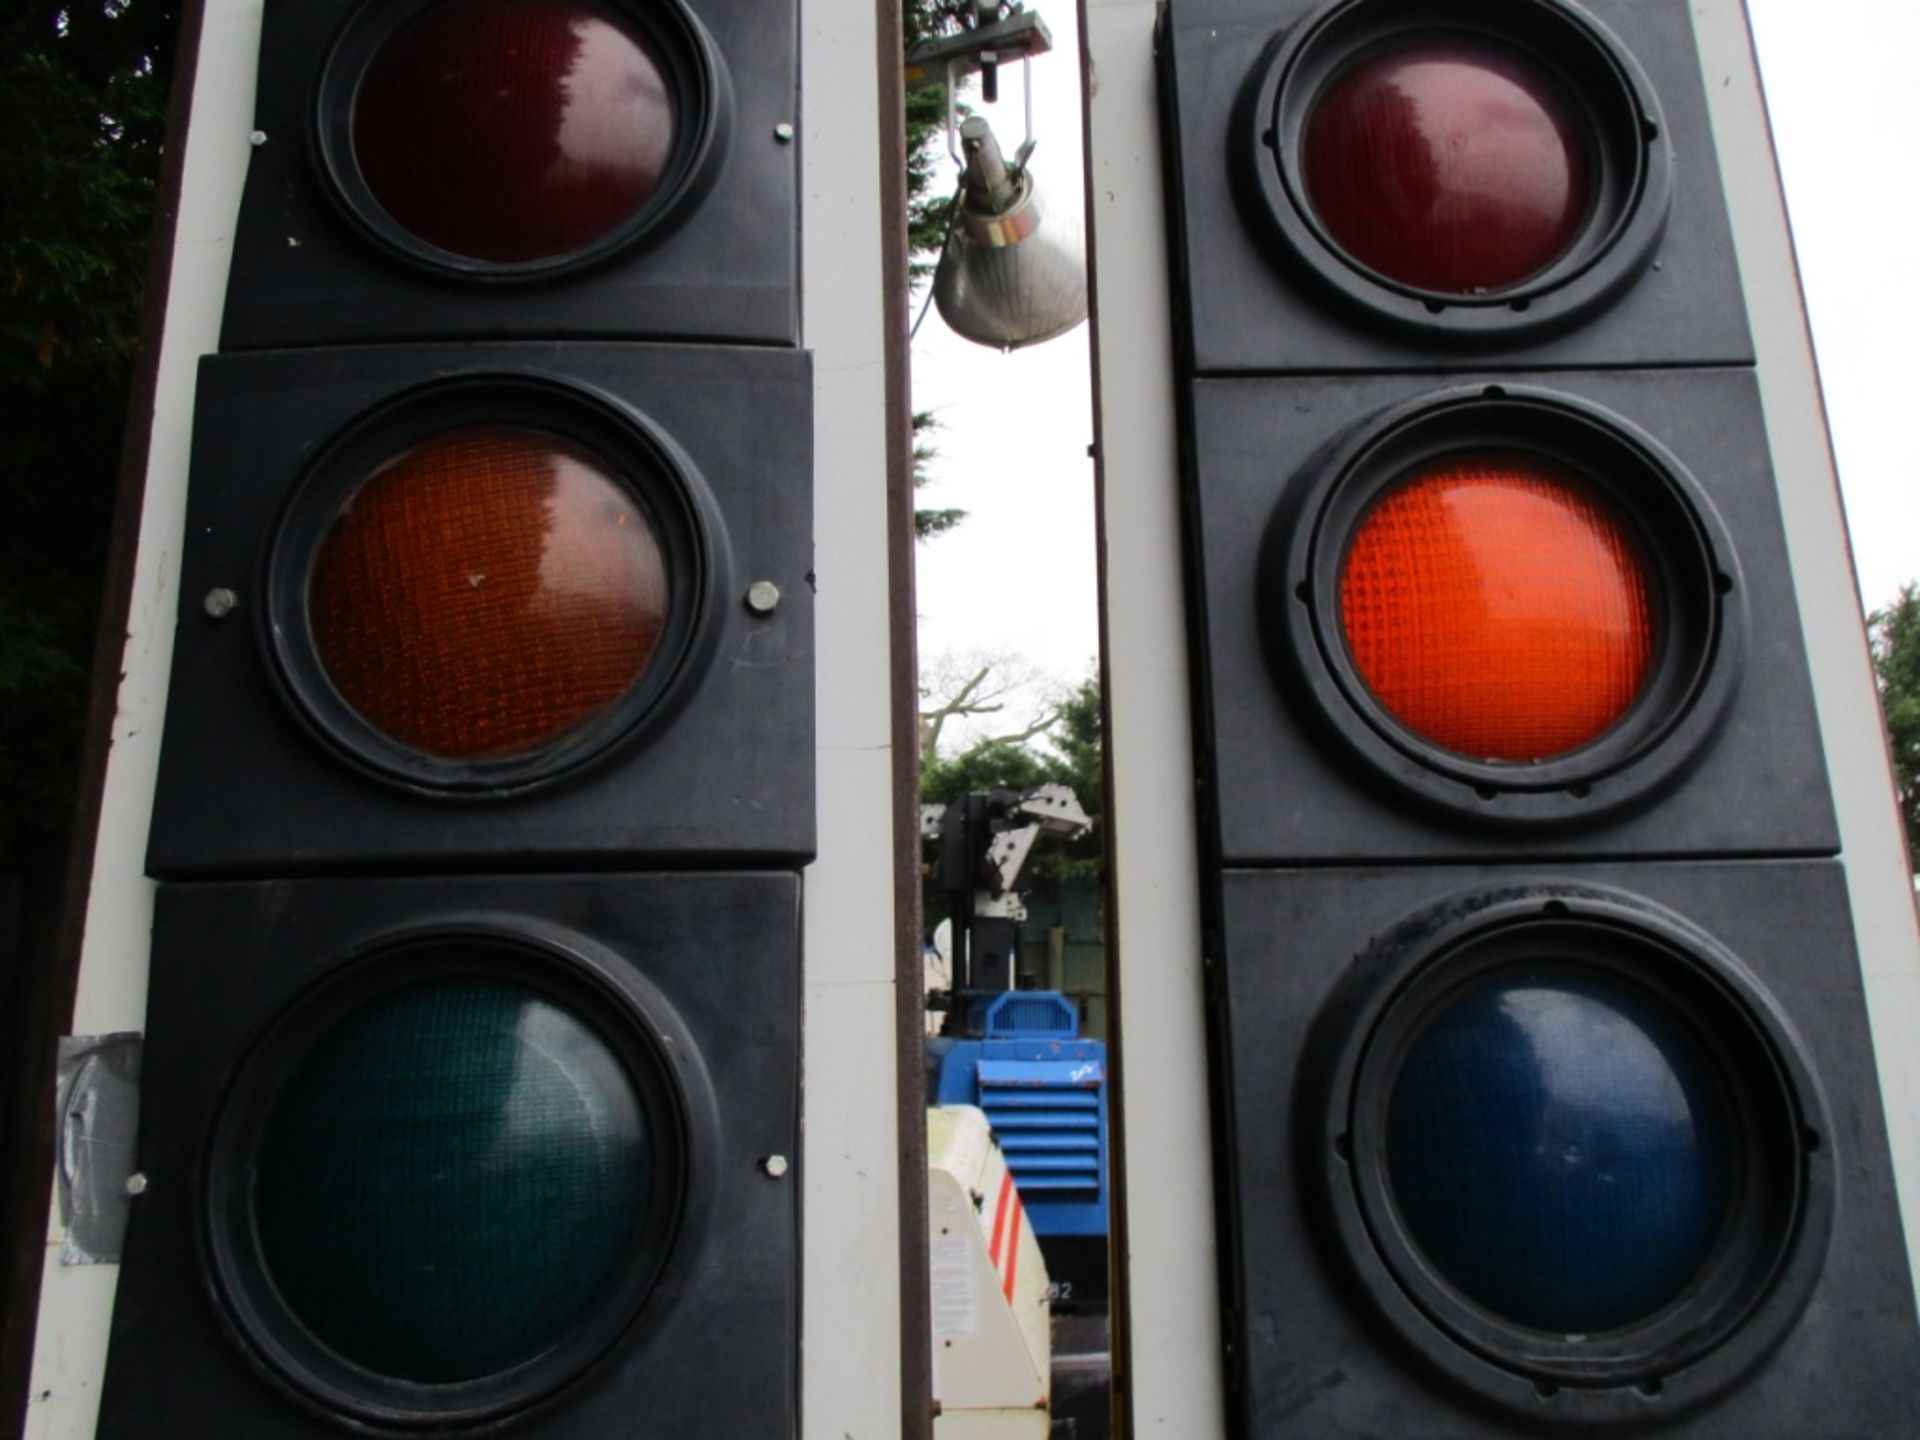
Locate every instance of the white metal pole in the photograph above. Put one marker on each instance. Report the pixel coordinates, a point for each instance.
(1165, 1243)
(850, 1373)
(76, 1302)
(1872, 842)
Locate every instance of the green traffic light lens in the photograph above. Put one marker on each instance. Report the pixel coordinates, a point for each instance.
(452, 1181)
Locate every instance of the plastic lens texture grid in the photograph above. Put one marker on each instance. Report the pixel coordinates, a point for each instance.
(487, 592)
(1558, 1146)
(1448, 164)
(450, 1183)
(1498, 608)
(510, 131)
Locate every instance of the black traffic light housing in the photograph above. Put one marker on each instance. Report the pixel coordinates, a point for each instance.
(489, 769)
(1652, 279)
(1309, 768)
(249, 980)
(1802, 1323)
(1501, 1035)
(710, 257)
(267, 771)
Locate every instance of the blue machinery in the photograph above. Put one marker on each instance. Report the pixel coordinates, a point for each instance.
(1018, 1054)
(1044, 1091)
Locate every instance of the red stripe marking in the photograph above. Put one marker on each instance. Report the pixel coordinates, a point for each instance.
(1000, 1218)
(1013, 1246)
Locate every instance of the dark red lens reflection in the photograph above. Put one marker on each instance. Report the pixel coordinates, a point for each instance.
(1448, 163)
(514, 130)
(486, 592)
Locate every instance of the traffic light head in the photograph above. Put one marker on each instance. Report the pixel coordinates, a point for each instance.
(472, 1079)
(1536, 1002)
(1442, 615)
(459, 1153)
(1563, 1146)
(498, 610)
(486, 168)
(1378, 184)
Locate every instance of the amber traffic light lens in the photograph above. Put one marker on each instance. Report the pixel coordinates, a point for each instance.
(1451, 164)
(486, 592)
(511, 131)
(1498, 606)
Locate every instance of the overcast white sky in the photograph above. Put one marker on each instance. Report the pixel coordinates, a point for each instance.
(1018, 576)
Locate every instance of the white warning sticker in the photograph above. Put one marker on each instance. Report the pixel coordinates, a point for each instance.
(952, 1265)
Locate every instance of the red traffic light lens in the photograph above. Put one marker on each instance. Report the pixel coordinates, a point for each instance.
(511, 131)
(1497, 606)
(1449, 163)
(486, 592)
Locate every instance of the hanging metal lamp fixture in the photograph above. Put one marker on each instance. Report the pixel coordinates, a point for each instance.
(1013, 268)
(1013, 271)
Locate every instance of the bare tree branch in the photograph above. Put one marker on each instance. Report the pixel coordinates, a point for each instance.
(964, 686)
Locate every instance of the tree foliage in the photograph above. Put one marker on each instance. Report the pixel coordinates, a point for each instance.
(1893, 634)
(929, 202)
(930, 184)
(969, 686)
(928, 523)
(83, 100)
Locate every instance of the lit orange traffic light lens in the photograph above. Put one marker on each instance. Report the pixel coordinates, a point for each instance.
(1498, 607)
(1451, 164)
(487, 592)
(510, 131)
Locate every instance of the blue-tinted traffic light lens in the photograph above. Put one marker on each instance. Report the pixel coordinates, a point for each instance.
(1559, 1147)
(510, 131)
(453, 1180)
(1449, 163)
